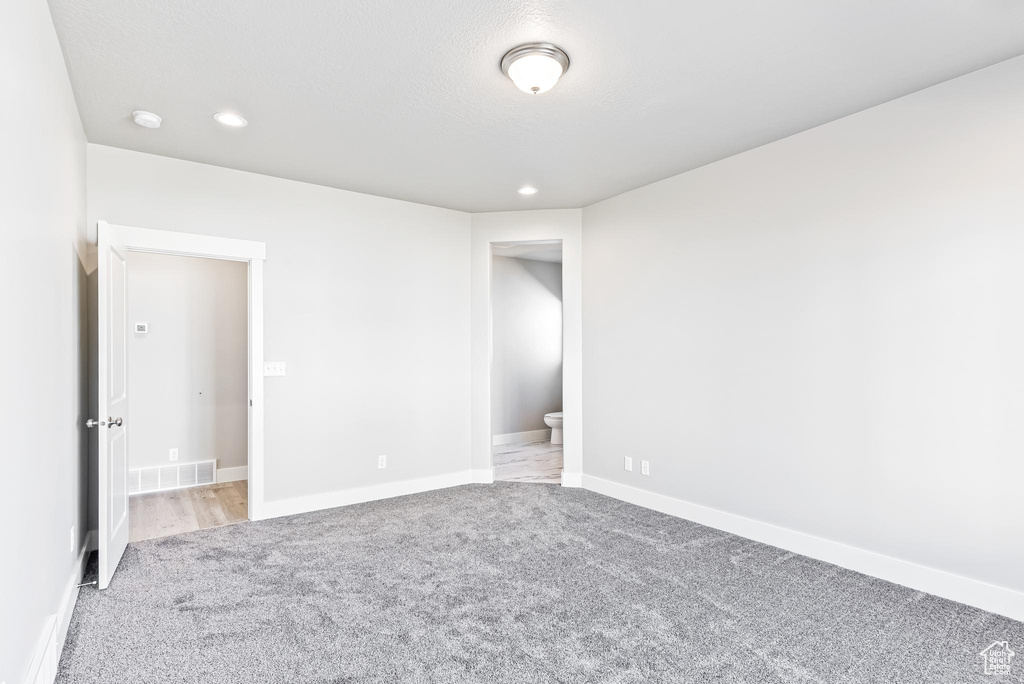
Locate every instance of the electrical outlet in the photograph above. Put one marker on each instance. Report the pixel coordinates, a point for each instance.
(72, 539)
(628, 464)
(274, 368)
(173, 454)
(645, 467)
(382, 461)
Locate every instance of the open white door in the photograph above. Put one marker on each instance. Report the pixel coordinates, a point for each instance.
(112, 421)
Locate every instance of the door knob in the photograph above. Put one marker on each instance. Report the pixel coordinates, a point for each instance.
(111, 422)
(92, 422)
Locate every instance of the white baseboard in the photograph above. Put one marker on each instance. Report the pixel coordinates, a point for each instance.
(483, 476)
(42, 668)
(67, 606)
(517, 437)
(572, 479)
(232, 474)
(346, 497)
(972, 592)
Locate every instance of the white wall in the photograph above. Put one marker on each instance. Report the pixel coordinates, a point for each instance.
(526, 319)
(366, 300)
(825, 333)
(188, 376)
(523, 226)
(43, 308)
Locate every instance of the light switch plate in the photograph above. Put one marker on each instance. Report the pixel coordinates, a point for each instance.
(273, 368)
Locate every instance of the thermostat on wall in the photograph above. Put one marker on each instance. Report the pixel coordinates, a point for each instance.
(141, 328)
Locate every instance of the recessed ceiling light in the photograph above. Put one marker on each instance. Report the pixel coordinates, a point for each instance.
(146, 119)
(535, 67)
(230, 119)
(527, 190)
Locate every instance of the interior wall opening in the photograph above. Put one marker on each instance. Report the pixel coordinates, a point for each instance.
(188, 381)
(526, 361)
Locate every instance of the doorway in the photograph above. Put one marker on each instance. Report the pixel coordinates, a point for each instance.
(187, 379)
(124, 336)
(526, 365)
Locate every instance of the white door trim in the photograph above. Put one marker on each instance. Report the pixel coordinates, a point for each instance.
(232, 249)
(529, 226)
(190, 244)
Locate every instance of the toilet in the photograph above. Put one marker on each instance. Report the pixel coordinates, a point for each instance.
(554, 421)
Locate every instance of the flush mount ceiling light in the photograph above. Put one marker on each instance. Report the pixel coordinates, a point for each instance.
(229, 119)
(535, 67)
(146, 119)
(527, 190)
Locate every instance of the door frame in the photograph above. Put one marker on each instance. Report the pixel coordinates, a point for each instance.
(527, 226)
(231, 249)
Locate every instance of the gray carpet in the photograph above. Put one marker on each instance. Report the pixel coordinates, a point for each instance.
(509, 583)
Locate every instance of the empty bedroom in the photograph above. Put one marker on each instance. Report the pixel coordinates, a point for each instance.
(512, 342)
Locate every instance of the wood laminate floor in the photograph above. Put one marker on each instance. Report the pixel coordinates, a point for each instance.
(527, 462)
(162, 514)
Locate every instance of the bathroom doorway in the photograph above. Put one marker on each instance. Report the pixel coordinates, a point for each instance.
(526, 364)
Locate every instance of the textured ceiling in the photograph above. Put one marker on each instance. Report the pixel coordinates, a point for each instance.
(406, 99)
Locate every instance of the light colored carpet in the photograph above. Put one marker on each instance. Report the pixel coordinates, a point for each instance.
(508, 583)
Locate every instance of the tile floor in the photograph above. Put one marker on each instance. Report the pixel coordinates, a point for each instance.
(527, 462)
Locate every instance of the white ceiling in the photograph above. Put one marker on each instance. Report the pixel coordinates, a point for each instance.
(406, 99)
